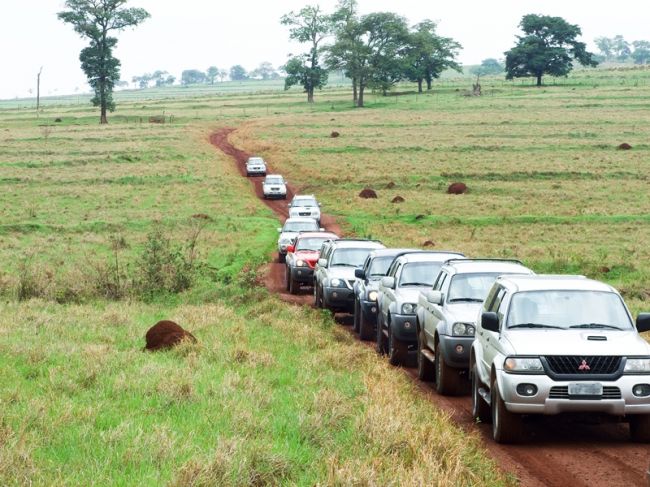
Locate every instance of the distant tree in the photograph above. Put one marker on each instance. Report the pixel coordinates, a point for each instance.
(427, 54)
(223, 74)
(265, 71)
(238, 73)
(160, 78)
(142, 81)
(211, 74)
(170, 80)
(309, 26)
(345, 54)
(95, 20)
(192, 77)
(620, 48)
(641, 53)
(549, 46)
(488, 67)
(604, 45)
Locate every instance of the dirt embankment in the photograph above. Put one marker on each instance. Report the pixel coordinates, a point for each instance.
(555, 452)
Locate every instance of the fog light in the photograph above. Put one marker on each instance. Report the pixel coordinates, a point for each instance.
(527, 390)
(335, 295)
(373, 309)
(300, 273)
(407, 325)
(641, 390)
(460, 349)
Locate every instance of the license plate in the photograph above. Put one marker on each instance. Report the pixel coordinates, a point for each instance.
(586, 389)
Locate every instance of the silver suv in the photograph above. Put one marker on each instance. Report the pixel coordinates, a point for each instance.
(290, 230)
(255, 166)
(397, 300)
(305, 205)
(446, 319)
(274, 186)
(558, 344)
(334, 274)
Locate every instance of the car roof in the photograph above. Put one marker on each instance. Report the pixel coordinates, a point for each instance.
(273, 176)
(430, 256)
(548, 282)
(389, 252)
(324, 235)
(465, 266)
(350, 243)
(299, 219)
(304, 196)
(255, 158)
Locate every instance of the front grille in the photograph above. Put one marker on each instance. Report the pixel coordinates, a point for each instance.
(562, 392)
(583, 365)
(304, 213)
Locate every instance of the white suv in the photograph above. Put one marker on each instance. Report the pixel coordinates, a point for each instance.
(274, 186)
(556, 344)
(290, 230)
(305, 205)
(255, 166)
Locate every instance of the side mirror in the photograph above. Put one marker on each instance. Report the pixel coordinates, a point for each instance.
(434, 297)
(490, 321)
(359, 274)
(279, 230)
(643, 322)
(322, 262)
(322, 229)
(388, 282)
(319, 204)
(291, 248)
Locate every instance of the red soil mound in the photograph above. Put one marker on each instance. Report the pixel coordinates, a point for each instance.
(334, 134)
(368, 193)
(397, 199)
(428, 243)
(624, 146)
(457, 188)
(390, 185)
(166, 334)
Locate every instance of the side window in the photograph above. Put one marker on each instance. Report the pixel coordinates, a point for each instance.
(398, 269)
(391, 269)
(366, 265)
(496, 302)
(439, 280)
(501, 310)
(326, 252)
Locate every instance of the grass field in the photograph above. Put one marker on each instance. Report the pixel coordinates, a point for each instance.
(275, 394)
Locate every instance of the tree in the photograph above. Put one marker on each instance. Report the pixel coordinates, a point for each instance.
(223, 74)
(192, 77)
(428, 55)
(142, 81)
(641, 53)
(238, 73)
(620, 48)
(310, 26)
(265, 71)
(211, 74)
(344, 54)
(95, 20)
(549, 46)
(604, 45)
(488, 67)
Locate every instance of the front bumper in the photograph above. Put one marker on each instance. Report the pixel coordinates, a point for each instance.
(256, 171)
(338, 298)
(403, 327)
(369, 311)
(302, 274)
(542, 403)
(457, 359)
(275, 195)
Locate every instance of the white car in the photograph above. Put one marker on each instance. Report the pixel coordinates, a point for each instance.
(274, 186)
(290, 230)
(305, 205)
(255, 166)
(558, 344)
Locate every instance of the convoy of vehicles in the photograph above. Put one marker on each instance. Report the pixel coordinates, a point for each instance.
(523, 344)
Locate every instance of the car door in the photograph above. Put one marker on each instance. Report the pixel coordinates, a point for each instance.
(388, 295)
(490, 340)
(433, 315)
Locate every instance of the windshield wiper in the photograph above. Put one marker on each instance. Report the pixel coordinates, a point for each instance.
(596, 325)
(342, 264)
(466, 300)
(415, 284)
(534, 325)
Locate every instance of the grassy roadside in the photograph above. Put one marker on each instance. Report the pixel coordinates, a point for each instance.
(271, 394)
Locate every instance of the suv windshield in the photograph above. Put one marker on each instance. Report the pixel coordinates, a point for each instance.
(304, 202)
(255, 160)
(311, 243)
(274, 181)
(379, 266)
(471, 287)
(309, 226)
(419, 273)
(568, 309)
(349, 257)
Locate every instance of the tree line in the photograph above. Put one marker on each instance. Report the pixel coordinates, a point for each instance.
(618, 49)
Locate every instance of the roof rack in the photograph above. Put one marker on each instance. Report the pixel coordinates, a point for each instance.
(420, 251)
(487, 259)
(346, 239)
(547, 276)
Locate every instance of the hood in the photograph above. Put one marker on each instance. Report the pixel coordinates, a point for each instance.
(463, 312)
(341, 272)
(575, 342)
(410, 294)
(288, 236)
(310, 255)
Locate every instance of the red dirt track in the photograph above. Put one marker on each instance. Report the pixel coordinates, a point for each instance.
(555, 452)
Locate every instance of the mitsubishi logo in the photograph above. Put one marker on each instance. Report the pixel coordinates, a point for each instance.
(583, 367)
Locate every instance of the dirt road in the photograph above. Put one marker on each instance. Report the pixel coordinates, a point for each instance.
(554, 453)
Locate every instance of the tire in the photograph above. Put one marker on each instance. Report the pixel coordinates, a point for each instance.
(282, 258)
(317, 302)
(381, 345)
(396, 349)
(356, 316)
(287, 277)
(365, 329)
(480, 408)
(426, 370)
(294, 286)
(507, 427)
(448, 380)
(640, 428)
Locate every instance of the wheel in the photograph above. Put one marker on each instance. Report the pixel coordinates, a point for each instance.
(381, 345)
(396, 348)
(507, 427)
(426, 370)
(480, 408)
(293, 286)
(317, 302)
(365, 328)
(282, 258)
(287, 277)
(640, 428)
(448, 380)
(355, 316)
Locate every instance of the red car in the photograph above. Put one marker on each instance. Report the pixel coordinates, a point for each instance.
(302, 256)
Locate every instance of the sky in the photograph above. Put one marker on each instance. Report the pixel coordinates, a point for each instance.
(196, 34)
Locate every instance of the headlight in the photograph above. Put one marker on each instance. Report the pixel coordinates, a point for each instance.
(372, 296)
(409, 308)
(526, 365)
(463, 329)
(637, 366)
(337, 283)
(300, 263)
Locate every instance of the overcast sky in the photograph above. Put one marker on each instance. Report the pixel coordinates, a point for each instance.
(199, 33)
